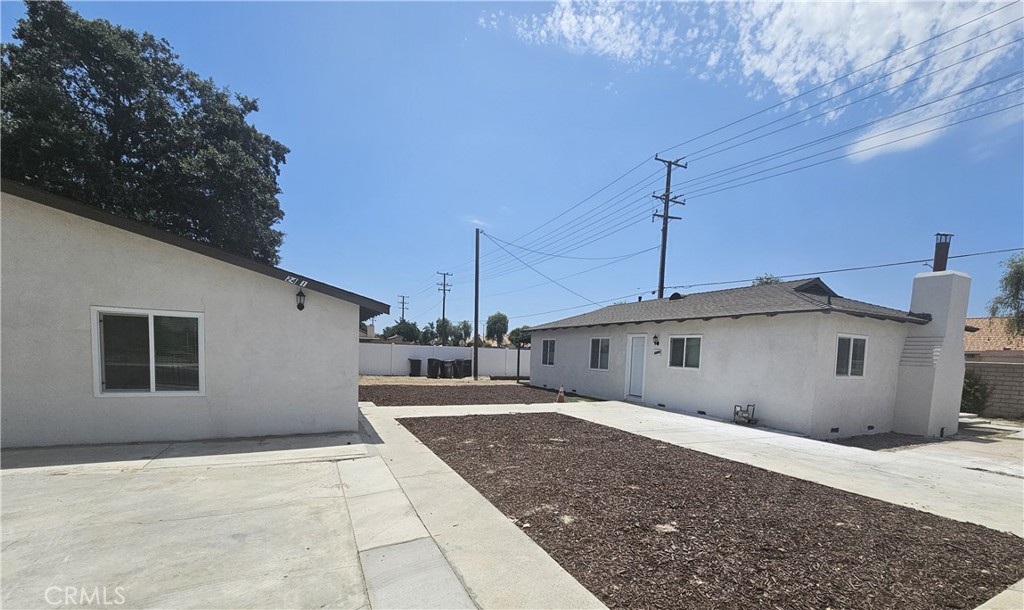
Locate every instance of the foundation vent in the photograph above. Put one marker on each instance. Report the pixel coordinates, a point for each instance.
(921, 351)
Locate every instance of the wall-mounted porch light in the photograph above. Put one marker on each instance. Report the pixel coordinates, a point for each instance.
(300, 300)
(656, 341)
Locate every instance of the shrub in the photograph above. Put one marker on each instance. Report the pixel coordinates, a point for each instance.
(975, 395)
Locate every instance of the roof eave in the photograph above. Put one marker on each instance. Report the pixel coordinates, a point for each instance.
(910, 318)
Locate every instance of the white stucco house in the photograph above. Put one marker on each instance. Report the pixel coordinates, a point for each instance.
(114, 331)
(811, 361)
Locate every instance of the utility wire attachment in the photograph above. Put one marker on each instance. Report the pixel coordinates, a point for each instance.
(667, 200)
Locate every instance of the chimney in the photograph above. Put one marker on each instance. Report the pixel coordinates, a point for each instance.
(941, 251)
(931, 365)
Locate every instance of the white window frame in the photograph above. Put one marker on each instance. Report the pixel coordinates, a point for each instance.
(590, 354)
(700, 360)
(544, 352)
(835, 361)
(97, 352)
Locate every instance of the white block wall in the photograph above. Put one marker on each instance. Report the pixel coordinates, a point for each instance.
(393, 359)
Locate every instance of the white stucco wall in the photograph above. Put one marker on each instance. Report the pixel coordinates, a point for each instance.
(269, 368)
(932, 365)
(784, 364)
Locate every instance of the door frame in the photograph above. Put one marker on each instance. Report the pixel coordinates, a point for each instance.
(629, 365)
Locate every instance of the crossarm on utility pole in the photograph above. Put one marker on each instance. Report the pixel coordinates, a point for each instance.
(667, 199)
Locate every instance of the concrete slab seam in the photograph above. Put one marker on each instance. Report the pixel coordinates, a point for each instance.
(458, 575)
(351, 526)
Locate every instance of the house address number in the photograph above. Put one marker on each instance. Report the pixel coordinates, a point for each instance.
(291, 279)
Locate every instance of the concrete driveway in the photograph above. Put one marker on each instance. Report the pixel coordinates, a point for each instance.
(377, 520)
(294, 522)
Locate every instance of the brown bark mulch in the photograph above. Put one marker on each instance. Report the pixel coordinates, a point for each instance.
(431, 395)
(644, 524)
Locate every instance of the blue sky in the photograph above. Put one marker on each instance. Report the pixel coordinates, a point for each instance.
(411, 124)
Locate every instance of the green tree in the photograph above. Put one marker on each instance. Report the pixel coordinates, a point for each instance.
(764, 279)
(519, 336)
(464, 330)
(497, 327)
(109, 117)
(428, 334)
(444, 330)
(1010, 300)
(404, 329)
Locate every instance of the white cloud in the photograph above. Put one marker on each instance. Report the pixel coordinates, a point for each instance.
(781, 49)
(475, 221)
(631, 33)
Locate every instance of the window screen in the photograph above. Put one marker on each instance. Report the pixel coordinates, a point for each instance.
(125, 352)
(599, 353)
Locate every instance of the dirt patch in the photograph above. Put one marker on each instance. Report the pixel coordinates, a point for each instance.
(463, 394)
(644, 524)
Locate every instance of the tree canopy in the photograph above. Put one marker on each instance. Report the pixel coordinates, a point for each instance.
(519, 336)
(497, 327)
(404, 329)
(764, 279)
(1010, 300)
(110, 117)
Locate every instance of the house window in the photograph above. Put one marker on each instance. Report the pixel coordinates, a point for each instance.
(850, 353)
(548, 352)
(599, 354)
(684, 352)
(148, 352)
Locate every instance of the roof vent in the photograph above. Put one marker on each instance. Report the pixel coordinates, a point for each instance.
(675, 296)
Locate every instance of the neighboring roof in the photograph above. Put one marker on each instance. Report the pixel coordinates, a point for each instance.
(798, 296)
(990, 336)
(368, 307)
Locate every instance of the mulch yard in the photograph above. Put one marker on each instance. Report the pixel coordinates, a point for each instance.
(430, 395)
(644, 524)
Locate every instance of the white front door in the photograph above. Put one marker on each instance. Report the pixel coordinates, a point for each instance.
(635, 383)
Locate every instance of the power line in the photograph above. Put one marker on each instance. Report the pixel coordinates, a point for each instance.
(553, 281)
(610, 230)
(858, 141)
(791, 275)
(549, 255)
(784, 152)
(841, 107)
(583, 236)
(565, 277)
(575, 225)
(836, 80)
(845, 269)
(850, 90)
(850, 154)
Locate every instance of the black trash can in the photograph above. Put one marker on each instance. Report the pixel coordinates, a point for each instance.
(447, 369)
(467, 368)
(415, 365)
(457, 371)
(433, 368)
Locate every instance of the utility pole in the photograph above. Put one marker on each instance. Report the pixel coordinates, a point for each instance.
(668, 200)
(403, 304)
(443, 288)
(476, 310)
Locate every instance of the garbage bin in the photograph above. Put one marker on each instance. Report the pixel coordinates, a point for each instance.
(467, 368)
(459, 369)
(433, 368)
(447, 369)
(415, 365)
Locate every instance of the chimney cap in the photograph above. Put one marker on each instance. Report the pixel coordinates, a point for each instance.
(943, 238)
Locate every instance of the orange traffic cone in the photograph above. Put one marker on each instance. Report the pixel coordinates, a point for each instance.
(561, 394)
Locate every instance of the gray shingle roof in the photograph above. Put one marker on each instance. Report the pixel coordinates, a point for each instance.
(807, 295)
